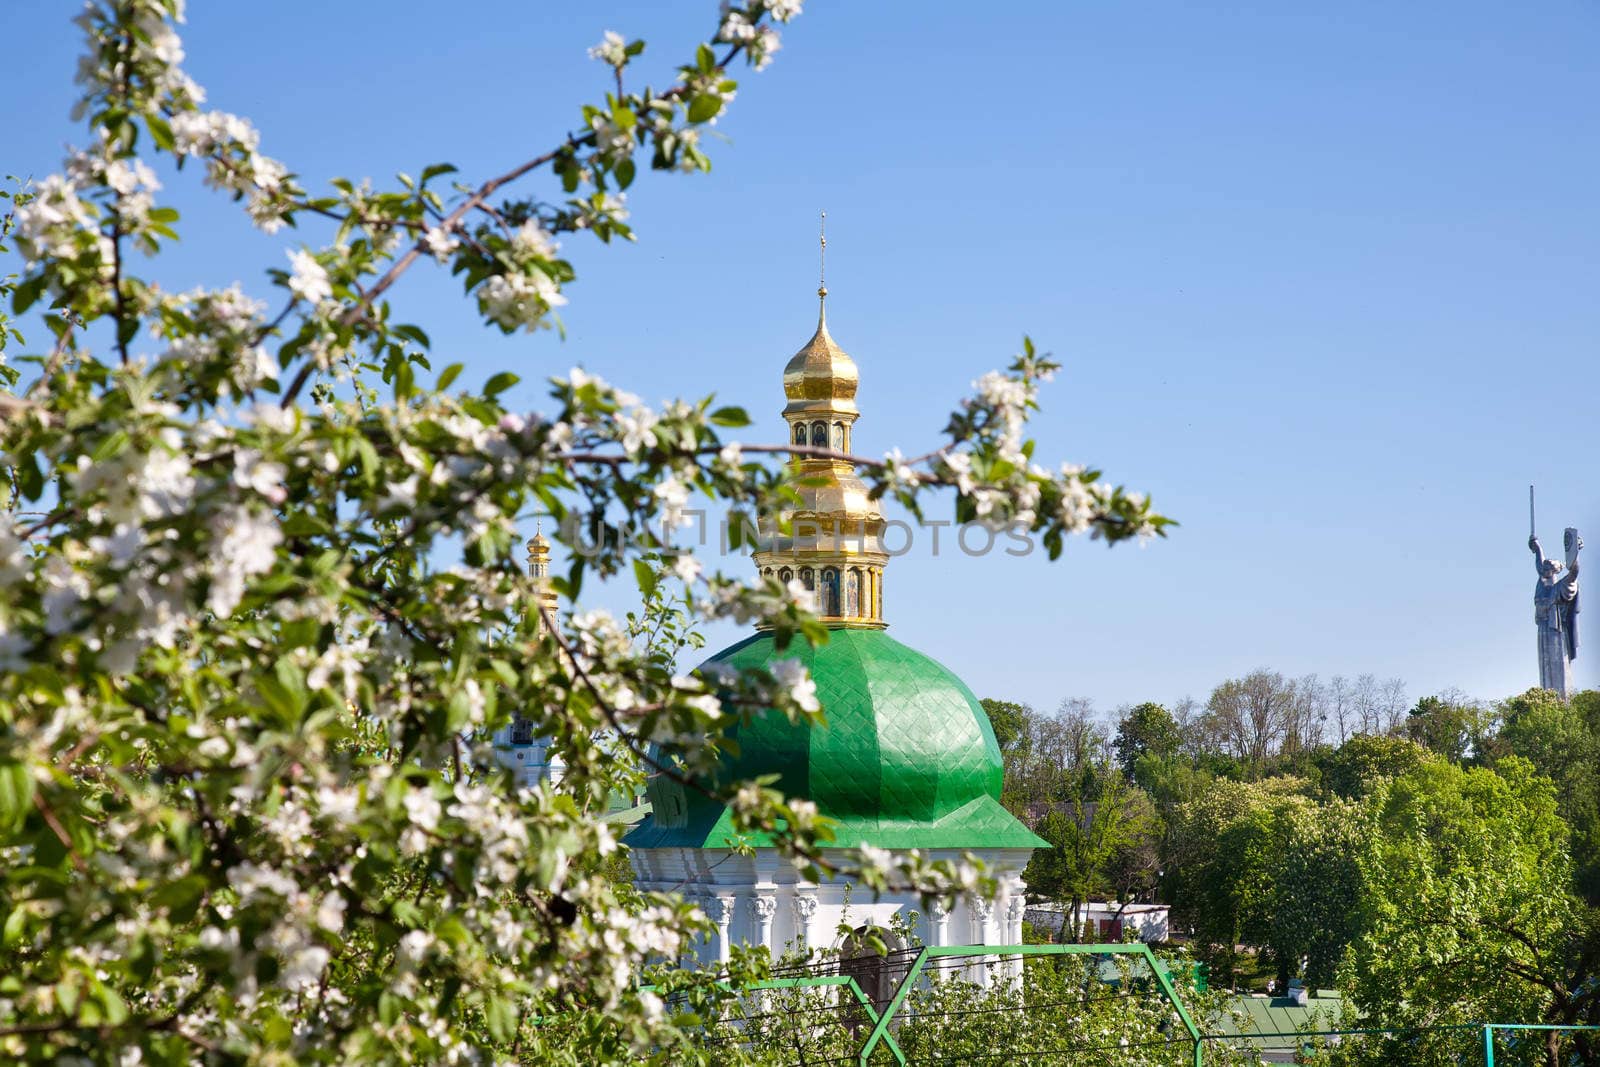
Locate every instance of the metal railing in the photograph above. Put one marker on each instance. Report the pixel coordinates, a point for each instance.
(880, 1032)
(921, 964)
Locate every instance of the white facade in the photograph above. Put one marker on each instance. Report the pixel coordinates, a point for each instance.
(1150, 923)
(527, 756)
(762, 900)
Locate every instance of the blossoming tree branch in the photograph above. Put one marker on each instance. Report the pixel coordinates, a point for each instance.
(247, 807)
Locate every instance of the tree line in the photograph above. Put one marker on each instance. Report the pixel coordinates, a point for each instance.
(1433, 858)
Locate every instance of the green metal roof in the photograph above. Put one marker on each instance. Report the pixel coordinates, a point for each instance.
(1280, 1015)
(907, 758)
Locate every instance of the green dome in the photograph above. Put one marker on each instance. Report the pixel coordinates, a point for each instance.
(907, 758)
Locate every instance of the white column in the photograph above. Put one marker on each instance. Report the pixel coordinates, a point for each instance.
(805, 912)
(765, 907)
(719, 909)
(1012, 966)
(1014, 911)
(982, 925)
(982, 908)
(938, 924)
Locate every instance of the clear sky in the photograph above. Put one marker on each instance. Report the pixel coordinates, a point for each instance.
(1322, 277)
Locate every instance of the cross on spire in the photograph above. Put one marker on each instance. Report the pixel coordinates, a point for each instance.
(822, 258)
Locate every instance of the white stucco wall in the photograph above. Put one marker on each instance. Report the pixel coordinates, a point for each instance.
(762, 900)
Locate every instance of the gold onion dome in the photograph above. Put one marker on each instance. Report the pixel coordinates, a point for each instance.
(821, 376)
(831, 542)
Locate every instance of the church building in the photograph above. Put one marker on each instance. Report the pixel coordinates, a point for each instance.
(906, 760)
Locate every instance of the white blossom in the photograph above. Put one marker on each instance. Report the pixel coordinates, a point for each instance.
(687, 568)
(423, 809)
(802, 689)
(638, 429)
(13, 556)
(612, 49)
(673, 495)
(309, 279)
(520, 300)
(440, 244)
(244, 544)
(530, 239)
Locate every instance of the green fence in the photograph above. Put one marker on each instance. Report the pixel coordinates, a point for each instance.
(1490, 1029)
(880, 1032)
(883, 1020)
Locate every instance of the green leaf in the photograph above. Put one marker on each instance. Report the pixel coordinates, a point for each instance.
(160, 131)
(27, 293)
(67, 996)
(730, 416)
(646, 576)
(448, 375)
(29, 478)
(624, 173)
(703, 107)
(412, 333)
(500, 383)
(13, 928)
(16, 794)
(501, 1015)
(181, 898)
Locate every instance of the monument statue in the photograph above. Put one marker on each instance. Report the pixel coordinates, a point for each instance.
(1555, 609)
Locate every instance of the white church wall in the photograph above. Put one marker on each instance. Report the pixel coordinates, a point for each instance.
(762, 900)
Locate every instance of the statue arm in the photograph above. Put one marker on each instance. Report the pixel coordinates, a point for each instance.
(1538, 555)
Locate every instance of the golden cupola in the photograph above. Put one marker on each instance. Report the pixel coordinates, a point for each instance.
(832, 541)
(539, 571)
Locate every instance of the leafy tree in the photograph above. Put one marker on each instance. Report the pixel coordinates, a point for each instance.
(1008, 719)
(1105, 846)
(1316, 890)
(1588, 704)
(263, 601)
(1353, 769)
(1562, 744)
(1222, 860)
(1145, 730)
(1054, 759)
(1448, 724)
(1467, 913)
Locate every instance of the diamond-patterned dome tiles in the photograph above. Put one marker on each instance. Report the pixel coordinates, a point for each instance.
(907, 758)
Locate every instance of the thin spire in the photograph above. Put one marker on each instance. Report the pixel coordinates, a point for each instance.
(822, 259)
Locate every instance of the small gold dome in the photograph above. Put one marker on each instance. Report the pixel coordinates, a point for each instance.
(821, 372)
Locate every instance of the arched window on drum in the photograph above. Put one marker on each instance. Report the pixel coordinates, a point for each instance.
(785, 575)
(800, 433)
(819, 435)
(852, 593)
(838, 437)
(830, 591)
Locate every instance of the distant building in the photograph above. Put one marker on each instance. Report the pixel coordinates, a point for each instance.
(1105, 920)
(516, 746)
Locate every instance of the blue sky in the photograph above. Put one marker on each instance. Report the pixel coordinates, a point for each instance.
(1322, 278)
